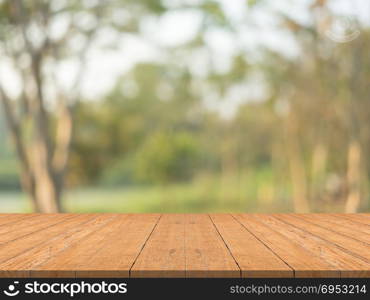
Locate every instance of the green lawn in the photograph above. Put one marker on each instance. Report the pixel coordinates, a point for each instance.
(203, 196)
(172, 199)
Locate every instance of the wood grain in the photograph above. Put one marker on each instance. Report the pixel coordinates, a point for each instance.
(348, 265)
(206, 253)
(27, 226)
(254, 258)
(356, 218)
(6, 219)
(184, 245)
(343, 227)
(120, 248)
(107, 252)
(303, 262)
(22, 264)
(350, 245)
(16, 247)
(164, 253)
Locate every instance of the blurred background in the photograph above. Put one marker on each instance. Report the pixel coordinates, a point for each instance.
(184, 105)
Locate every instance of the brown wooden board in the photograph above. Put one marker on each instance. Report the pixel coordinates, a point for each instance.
(164, 253)
(206, 253)
(253, 257)
(184, 245)
(302, 261)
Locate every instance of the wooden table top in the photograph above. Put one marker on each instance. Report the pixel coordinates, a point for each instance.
(184, 245)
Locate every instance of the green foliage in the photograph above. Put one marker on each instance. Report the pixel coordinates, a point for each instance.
(156, 138)
(9, 174)
(9, 167)
(214, 13)
(253, 3)
(120, 173)
(151, 99)
(166, 158)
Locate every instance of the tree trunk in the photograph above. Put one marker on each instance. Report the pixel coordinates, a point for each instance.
(319, 161)
(230, 171)
(319, 158)
(46, 195)
(353, 177)
(38, 177)
(298, 175)
(297, 167)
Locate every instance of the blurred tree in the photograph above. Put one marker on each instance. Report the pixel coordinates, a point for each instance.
(167, 157)
(149, 99)
(40, 116)
(303, 138)
(324, 91)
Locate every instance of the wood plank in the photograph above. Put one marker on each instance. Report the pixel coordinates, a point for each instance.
(348, 265)
(22, 264)
(17, 247)
(206, 253)
(343, 227)
(164, 252)
(122, 248)
(303, 262)
(352, 246)
(178, 245)
(77, 256)
(108, 252)
(363, 227)
(6, 219)
(252, 256)
(357, 218)
(25, 226)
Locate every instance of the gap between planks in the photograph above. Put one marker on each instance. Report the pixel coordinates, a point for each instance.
(191, 245)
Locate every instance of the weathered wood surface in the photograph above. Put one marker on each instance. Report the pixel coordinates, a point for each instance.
(185, 245)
